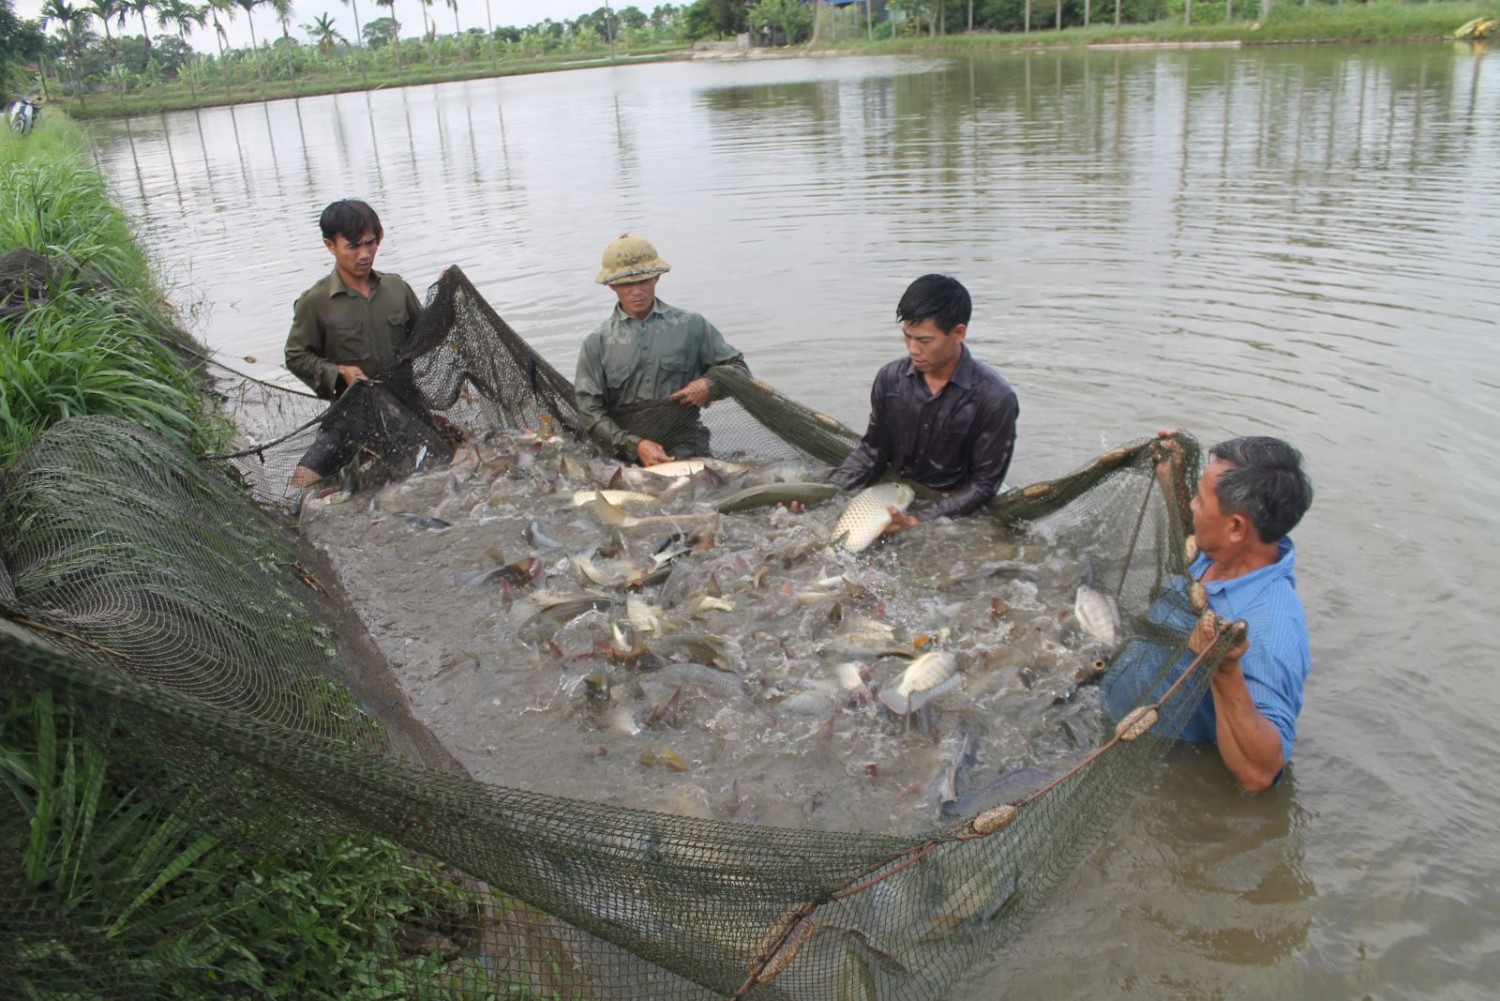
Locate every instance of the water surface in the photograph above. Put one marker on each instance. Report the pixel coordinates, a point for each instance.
(1288, 241)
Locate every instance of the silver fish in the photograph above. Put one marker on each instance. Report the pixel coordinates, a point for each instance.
(537, 534)
(1098, 615)
(927, 677)
(611, 514)
(768, 494)
(619, 498)
(680, 468)
(960, 749)
(867, 515)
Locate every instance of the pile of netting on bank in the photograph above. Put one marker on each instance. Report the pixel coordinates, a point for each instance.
(203, 652)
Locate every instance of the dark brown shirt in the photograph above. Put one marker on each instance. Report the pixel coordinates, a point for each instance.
(958, 442)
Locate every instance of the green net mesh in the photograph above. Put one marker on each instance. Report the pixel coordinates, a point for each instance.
(186, 691)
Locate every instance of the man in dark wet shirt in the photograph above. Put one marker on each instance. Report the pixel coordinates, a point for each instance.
(349, 327)
(938, 417)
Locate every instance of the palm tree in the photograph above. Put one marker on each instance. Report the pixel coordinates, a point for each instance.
(283, 9)
(323, 33)
(182, 15)
(140, 8)
(215, 8)
(104, 10)
(391, 6)
(359, 41)
(66, 15)
(247, 6)
(426, 33)
(453, 6)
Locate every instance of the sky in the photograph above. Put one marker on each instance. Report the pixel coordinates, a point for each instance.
(471, 14)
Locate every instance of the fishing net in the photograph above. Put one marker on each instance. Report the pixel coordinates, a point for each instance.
(170, 641)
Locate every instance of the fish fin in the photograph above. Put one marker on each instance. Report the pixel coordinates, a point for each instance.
(895, 701)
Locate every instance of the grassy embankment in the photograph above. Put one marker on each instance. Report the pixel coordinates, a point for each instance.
(338, 79)
(119, 896)
(1288, 23)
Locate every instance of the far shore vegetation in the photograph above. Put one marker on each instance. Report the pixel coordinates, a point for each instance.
(110, 58)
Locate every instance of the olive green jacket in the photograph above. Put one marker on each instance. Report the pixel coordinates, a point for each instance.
(626, 361)
(333, 325)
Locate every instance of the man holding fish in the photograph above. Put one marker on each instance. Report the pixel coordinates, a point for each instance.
(1253, 493)
(645, 353)
(938, 416)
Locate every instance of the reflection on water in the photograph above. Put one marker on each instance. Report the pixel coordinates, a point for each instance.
(1282, 240)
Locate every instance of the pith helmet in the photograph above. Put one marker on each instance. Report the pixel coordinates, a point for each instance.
(630, 259)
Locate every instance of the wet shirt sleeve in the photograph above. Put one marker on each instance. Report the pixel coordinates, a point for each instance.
(590, 393)
(306, 352)
(873, 453)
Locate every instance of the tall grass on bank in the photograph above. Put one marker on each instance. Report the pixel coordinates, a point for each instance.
(118, 897)
(80, 353)
(95, 342)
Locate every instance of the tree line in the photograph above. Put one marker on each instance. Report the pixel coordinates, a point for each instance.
(81, 47)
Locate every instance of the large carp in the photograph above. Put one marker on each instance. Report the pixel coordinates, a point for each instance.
(867, 514)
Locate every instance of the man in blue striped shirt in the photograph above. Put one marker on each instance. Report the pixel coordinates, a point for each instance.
(1252, 494)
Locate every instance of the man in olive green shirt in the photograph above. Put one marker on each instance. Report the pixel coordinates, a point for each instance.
(348, 327)
(646, 352)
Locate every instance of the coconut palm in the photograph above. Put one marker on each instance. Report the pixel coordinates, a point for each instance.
(141, 9)
(391, 6)
(427, 33)
(68, 16)
(359, 42)
(227, 8)
(283, 9)
(182, 15)
(324, 34)
(453, 6)
(104, 10)
(247, 6)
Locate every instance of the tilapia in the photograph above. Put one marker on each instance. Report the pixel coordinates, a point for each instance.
(867, 514)
(1098, 616)
(927, 677)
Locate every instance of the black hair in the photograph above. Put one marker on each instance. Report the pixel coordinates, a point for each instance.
(939, 298)
(351, 219)
(1266, 483)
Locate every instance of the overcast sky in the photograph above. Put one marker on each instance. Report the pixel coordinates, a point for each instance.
(471, 14)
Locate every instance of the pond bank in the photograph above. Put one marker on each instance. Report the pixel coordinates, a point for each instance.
(1381, 22)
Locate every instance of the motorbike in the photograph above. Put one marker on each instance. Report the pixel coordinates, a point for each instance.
(21, 115)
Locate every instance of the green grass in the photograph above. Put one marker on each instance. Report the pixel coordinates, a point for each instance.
(118, 896)
(1289, 22)
(178, 96)
(98, 342)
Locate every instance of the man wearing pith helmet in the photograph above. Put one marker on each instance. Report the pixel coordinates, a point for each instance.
(640, 383)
